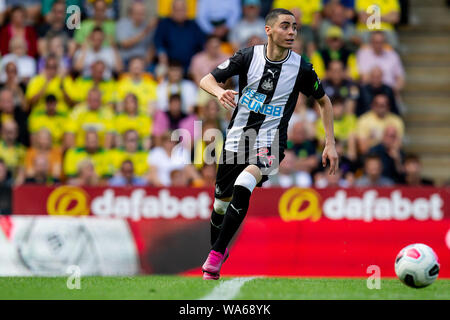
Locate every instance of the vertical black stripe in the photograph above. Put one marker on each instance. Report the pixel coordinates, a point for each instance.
(287, 113)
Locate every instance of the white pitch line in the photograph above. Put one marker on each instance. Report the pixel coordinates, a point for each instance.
(227, 290)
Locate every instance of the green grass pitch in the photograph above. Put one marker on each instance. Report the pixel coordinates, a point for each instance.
(191, 288)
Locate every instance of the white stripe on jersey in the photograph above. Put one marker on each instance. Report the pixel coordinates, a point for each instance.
(285, 85)
(254, 75)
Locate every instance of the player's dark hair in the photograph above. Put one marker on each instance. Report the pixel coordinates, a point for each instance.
(272, 16)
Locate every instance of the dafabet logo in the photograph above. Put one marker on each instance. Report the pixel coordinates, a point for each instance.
(68, 200)
(300, 204)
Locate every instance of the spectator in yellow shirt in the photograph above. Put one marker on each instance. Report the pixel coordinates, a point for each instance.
(371, 125)
(91, 116)
(344, 127)
(132, 119)
(50, 119)
(46, 83)
(389, 11)
(85, 175)
(141, 84)
(132, 151)
(108, 87)
(12, 152)
(335, 50)
(208, 146)
(100, 158)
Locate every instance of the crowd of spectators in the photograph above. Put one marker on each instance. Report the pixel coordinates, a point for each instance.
(92, 98)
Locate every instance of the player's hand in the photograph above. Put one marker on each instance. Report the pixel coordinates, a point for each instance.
(330, 152)
(226, 98)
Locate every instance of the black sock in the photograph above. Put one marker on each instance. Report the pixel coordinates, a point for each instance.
(216, 225)
(234, 216)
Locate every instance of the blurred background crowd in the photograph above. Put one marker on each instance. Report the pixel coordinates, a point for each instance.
(92, 99)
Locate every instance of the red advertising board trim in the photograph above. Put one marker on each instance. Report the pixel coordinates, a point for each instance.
(366, 204)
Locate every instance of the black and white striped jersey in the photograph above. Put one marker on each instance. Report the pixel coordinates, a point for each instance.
(268, 92)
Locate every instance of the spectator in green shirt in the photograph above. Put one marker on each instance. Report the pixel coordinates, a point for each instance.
(98, 20)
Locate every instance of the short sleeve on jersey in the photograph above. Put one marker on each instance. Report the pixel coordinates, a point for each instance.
(232, 66)
(310, 84)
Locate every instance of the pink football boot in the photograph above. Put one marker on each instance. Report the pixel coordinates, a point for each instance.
(212, 265)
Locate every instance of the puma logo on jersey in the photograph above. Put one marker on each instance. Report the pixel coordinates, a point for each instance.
(272, 72)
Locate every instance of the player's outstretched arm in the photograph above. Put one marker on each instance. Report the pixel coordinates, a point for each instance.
(326, 110)
(226, 97)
